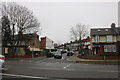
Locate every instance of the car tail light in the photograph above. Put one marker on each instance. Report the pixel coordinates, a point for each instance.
(2, 58)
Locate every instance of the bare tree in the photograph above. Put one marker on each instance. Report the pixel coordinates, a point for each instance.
(78, 33)
(21, 20)
(20, 17)
(74, 35)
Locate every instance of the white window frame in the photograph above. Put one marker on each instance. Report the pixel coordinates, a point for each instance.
(97, 38)
(109, 38)
(109, 48)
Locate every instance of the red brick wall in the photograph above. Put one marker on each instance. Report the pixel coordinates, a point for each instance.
(99, 57)
(101, 49)
(43, 43)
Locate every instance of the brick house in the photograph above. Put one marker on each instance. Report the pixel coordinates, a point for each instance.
(24, 45)
(73, 45)
(105, 41)
(86, 43)
(46, 43)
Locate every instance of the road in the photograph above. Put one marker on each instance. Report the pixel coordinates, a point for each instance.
(49, 68)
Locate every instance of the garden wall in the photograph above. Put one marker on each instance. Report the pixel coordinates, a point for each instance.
(99, 57)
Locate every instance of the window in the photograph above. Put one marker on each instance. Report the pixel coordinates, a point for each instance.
(96, 38)
(109, 48)
(109, 38)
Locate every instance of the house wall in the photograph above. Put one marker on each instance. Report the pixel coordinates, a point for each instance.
(101, 49)
(49, 44)
(114, 38)
(102, 41)
(34, 42)
(46, 43)
(118, 37)
(92, 39)
(43, 43)
(22, 52)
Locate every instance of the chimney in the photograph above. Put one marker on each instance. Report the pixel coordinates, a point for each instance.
(113, 25)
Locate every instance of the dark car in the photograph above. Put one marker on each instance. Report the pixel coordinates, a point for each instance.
(58, 55)
(50, 54)
(63, 51)
(70, 53)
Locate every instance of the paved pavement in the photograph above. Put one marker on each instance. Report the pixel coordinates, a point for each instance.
(75, 58)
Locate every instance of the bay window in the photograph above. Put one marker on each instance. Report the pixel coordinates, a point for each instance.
(110, 48)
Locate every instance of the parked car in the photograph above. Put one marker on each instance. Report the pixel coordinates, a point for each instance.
(70, 53)
(53, 52)
(2, 60)
(58, 55)
(64, 51)
(50, 54)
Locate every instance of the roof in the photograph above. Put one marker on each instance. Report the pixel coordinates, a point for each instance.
(46, 38)
(118, 31)
(105, 31)
(24, 37)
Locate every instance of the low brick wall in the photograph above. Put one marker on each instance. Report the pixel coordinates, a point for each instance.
(99, 57)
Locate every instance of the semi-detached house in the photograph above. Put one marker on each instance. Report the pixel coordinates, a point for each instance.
(46, 43)
(105, 41)
(24, 45)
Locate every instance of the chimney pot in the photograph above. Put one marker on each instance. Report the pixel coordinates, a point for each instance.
(113, 25)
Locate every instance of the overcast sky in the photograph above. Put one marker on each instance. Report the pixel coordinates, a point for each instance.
(56, 18)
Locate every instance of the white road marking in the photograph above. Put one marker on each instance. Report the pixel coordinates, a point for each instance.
(67, 66)
(25, 76)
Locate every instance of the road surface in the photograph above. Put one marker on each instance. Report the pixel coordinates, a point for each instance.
(49, 69)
